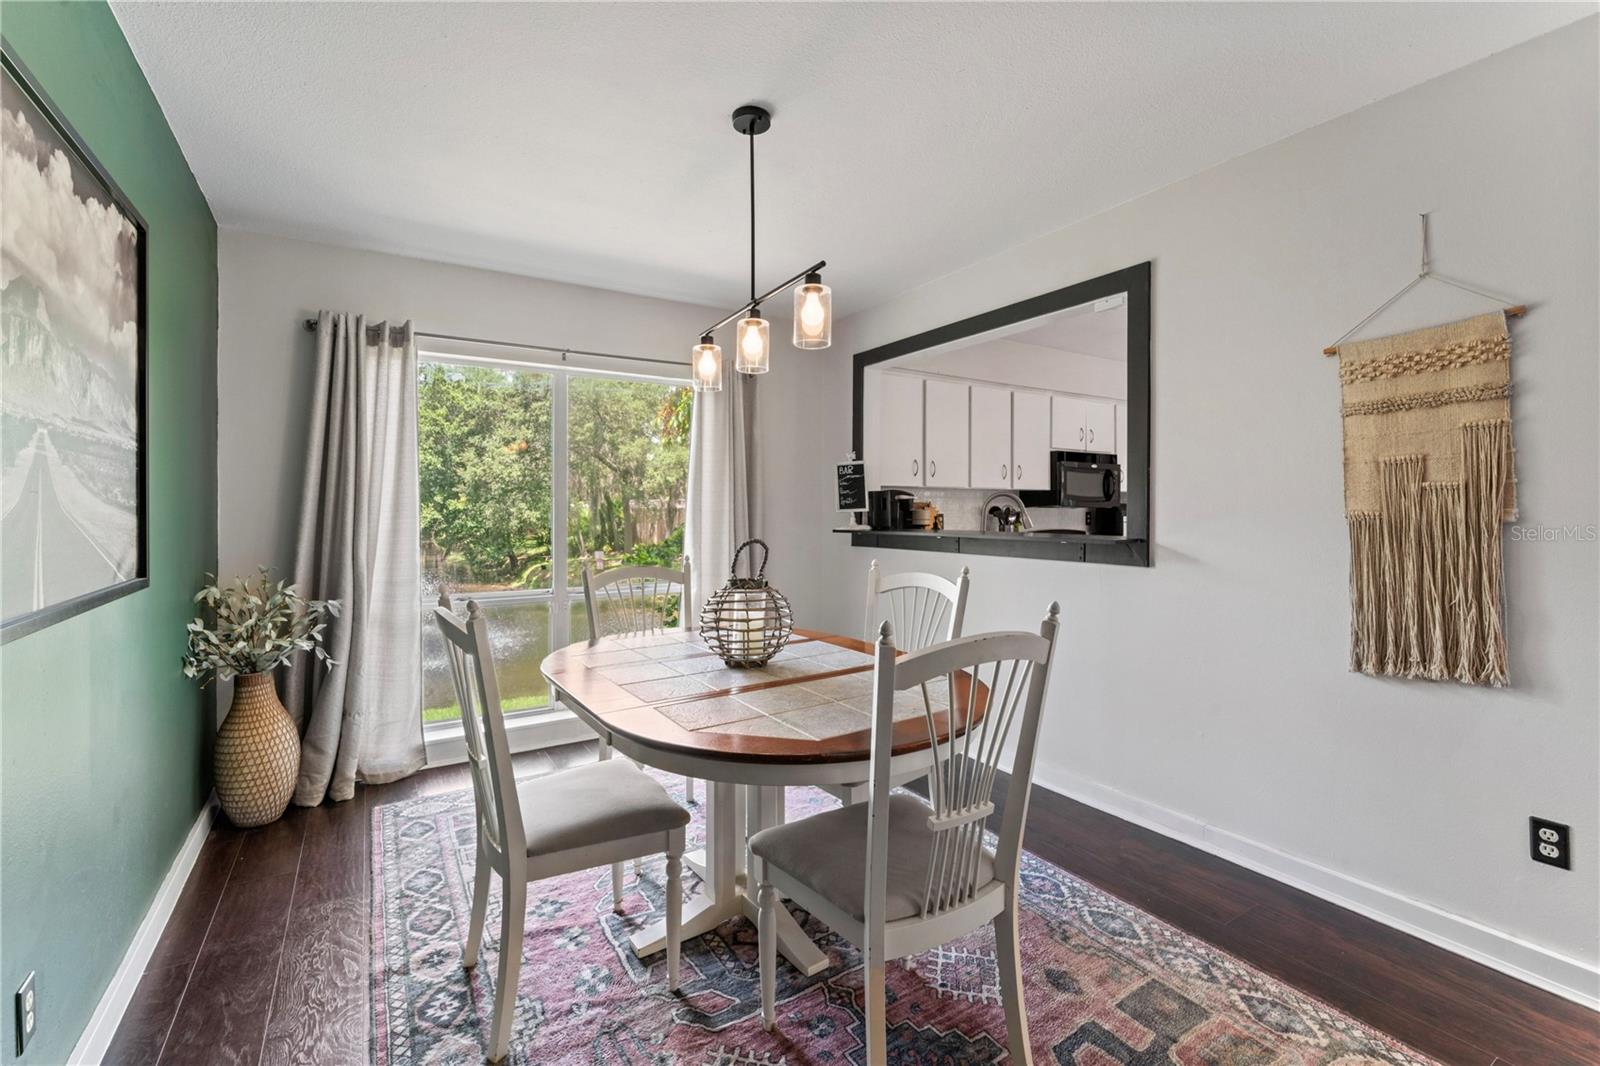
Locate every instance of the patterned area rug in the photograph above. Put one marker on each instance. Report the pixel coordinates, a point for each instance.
(1105, 982)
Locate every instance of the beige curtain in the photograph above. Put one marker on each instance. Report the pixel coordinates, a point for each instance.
(723, 466)
(361, 719)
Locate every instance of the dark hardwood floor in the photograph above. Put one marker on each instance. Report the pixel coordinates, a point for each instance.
(265, 958)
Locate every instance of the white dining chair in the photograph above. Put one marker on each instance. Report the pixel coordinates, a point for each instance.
(923, 609)
(587, 816)
(629, 601)
(897, 876)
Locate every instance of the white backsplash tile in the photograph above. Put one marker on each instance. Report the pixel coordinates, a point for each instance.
(962, 508)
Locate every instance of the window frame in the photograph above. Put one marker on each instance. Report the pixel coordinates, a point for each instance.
(445, 736)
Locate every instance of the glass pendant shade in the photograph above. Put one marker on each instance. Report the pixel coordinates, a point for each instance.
(813, 314)
(753, 344)
(707, 364)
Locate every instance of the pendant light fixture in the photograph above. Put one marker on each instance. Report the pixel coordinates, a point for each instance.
(813, 313)
(813, 301)
(707, 363)
(754, 335)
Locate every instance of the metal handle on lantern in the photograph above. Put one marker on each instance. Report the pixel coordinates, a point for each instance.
(733, 570)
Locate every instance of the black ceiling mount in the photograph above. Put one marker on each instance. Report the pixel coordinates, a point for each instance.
(752, 119)
(749, 121)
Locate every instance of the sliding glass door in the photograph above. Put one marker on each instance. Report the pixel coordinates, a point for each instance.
(525, 474)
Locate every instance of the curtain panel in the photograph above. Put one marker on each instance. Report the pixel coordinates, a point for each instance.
(361, 719)
(723, 502)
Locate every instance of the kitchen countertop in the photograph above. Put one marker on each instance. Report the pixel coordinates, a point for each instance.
(1065, 547)
(985, 534)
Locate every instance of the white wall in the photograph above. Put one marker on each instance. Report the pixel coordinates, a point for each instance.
(1210, 693)
(270, 285)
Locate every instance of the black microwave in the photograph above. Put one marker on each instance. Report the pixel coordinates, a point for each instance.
(1081, 481)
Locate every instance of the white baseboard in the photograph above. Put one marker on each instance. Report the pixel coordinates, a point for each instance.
(96, 1037)
(446, 745)
(1561, 974)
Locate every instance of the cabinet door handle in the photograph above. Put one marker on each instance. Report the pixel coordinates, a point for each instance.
(914, 466)
(933, 468)
(1080, 434)
(1002, 471)
(1017, 475)
(1091, 436)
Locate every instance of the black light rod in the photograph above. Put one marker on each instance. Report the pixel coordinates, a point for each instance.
(764, 297)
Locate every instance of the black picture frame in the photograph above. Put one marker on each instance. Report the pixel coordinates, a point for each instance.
(24, 624)
(1130, 550)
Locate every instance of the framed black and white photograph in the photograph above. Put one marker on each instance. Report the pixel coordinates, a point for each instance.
(72, 371)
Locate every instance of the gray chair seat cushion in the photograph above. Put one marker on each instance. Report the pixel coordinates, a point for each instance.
(827, 853)
(592, 804)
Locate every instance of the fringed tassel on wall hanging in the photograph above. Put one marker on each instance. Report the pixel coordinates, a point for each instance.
(1428, 483)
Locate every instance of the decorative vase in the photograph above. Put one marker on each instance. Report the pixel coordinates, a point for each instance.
(257, 754)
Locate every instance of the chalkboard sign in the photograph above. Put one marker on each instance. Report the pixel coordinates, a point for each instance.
(853, 486)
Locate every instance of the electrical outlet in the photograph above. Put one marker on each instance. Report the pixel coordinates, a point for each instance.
(1550, 843)
(27, 1013)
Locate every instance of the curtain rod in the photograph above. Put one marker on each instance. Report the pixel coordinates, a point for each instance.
(311, 327)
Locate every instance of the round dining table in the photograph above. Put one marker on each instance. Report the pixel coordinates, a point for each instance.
(666, 700)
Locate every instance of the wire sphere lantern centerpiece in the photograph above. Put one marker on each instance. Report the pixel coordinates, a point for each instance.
(747, 621)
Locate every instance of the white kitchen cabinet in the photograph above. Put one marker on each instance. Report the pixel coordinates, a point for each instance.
(1030, 439)
(1067, 431)
(1010, 439)
(1100, 419)
(1081, 425)
(946, 429)
(991, 437)
(900, 431)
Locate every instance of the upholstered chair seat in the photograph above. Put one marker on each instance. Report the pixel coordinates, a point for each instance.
(610, 800)
(828, 854)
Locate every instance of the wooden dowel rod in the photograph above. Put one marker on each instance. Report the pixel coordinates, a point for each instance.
(1511, 312)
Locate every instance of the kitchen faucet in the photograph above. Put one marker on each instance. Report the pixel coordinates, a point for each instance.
(1007, 519)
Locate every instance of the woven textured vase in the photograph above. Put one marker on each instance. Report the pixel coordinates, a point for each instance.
(257, 753)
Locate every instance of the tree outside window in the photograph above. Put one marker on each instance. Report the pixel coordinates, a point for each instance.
(486, 466)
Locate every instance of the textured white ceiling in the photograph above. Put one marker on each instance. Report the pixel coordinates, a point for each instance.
(591, 143)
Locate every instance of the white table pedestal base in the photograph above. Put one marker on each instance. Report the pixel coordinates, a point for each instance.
(701, 916)
(725, 891)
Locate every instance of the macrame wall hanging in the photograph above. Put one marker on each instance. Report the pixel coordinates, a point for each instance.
(1428, 480)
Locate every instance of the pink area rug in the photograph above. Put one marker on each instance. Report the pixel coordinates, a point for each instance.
(1106, 983)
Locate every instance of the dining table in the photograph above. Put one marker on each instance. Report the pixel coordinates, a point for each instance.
(666, 700)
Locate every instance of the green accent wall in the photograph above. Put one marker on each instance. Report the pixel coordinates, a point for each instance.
(103, 742)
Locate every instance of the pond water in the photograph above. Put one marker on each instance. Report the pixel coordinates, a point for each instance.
(519, 637)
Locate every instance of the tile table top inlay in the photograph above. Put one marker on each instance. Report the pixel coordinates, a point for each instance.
(812, 703)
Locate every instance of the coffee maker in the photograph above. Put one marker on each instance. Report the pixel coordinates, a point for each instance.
(889, 509)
